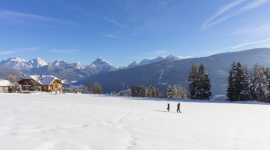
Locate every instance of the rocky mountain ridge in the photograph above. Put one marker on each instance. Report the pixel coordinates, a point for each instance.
(68, 71)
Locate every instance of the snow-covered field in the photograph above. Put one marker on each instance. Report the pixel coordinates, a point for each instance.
(89, 122)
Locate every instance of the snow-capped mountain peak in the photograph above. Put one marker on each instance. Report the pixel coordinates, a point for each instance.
(16, 63)
(101, 65)
(78, 65)
(171, 57)
(59, 63)
(36, 63)
(149, 61)
(16, 59)
(99, 61)
(133, 64)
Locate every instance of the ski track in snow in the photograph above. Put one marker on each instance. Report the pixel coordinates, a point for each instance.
(89, 122)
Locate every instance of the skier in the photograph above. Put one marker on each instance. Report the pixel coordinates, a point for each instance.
(168, 108)
(178, 107)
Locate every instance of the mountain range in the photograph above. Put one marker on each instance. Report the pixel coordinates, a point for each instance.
(159, 71)
(69, 72)
(172, 72)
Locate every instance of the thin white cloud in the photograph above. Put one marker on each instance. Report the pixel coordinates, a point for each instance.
(31, 48)
(7, 52)
(115, 23)
(254, 4)
(249, 43)
(64, 51)
(219, 17)
(252, 29)
(7, 16)
(222, 10)
(112, 36)
(246, 44)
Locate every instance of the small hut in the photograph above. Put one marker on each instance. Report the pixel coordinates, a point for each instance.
(5, 86)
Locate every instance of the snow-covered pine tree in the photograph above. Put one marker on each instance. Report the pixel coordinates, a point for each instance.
(138, 91)
(251, 86)
(230, 88)
(233, 90)
(169, 91)
(143, 91)
(152, 91)
(267, 73)
(207, 87)
(203, 88)
(260, 83)
(193, 79)
(238, 83)
(179, 92)
(244, 83)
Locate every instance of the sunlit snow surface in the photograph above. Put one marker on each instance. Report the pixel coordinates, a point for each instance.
(89, 122)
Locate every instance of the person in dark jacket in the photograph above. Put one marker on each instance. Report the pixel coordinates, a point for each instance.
(178, 107)
(168, 107)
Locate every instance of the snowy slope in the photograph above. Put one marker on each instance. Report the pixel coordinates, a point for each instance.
(88, 122)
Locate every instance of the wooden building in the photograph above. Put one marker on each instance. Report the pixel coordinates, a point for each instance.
(5, 86)
(47, 83)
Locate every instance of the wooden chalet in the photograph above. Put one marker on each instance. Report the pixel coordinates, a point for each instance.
(47, 83)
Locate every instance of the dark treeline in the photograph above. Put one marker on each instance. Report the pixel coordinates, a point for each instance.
(248, 84)
(176, 92)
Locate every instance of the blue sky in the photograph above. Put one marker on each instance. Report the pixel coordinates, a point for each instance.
(123, 31)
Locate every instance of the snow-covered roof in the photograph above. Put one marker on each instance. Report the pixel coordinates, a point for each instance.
(42, 79)
(4, 82)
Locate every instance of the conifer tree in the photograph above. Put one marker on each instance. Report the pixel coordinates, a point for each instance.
(152, 91)
(122, 93)
(200, 86)
(138, 91)
(244, 84)
(238, 83)
(169, 91)
(233, 83)
(179, 92)
(230, 88)
(203, 88)
(267, 73)
(192, 78)
(260, 84)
